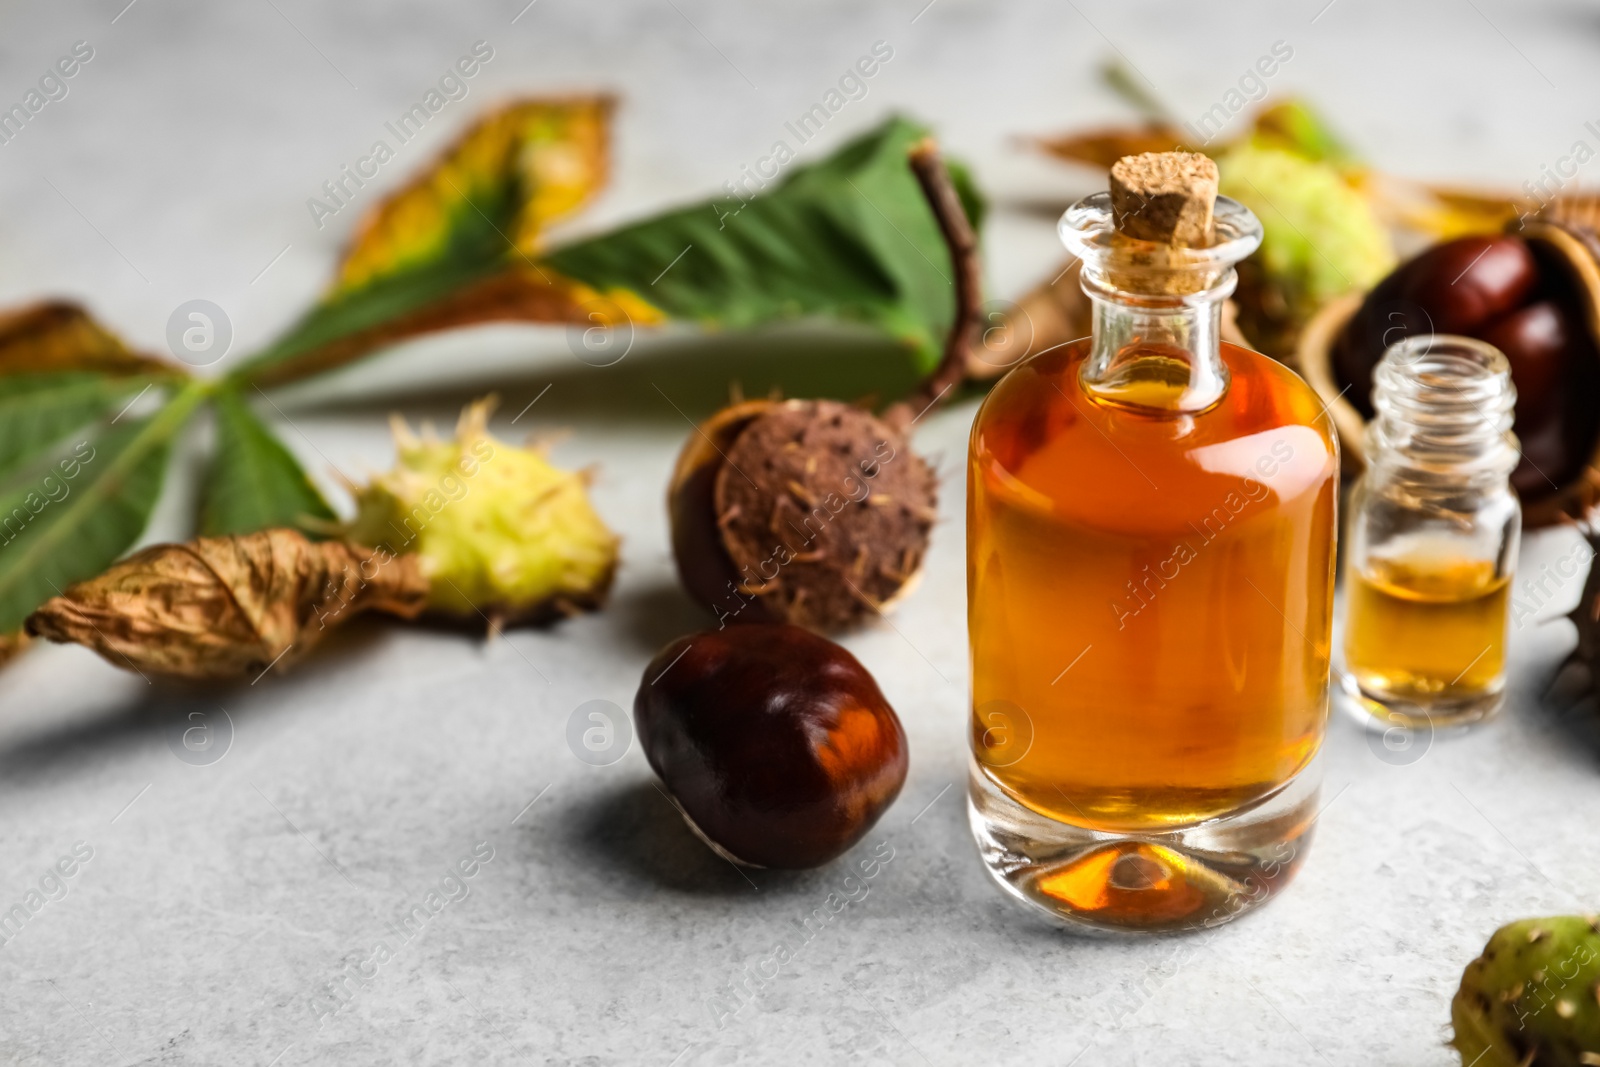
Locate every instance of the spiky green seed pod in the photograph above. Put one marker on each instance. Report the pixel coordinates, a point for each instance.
(1533, 998)
(1320, 236)
(501, 535)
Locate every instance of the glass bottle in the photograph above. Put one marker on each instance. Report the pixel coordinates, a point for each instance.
(1151, 518)
(1433, 537)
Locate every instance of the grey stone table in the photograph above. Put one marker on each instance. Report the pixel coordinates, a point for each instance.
(213, 911)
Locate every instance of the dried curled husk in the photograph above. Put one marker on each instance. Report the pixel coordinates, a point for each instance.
(499, 533)
(228, 607)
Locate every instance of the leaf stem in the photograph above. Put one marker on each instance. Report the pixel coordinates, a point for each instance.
(959, 237)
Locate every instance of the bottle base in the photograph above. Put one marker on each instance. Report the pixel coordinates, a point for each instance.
(1169, 881)
(1379, 709)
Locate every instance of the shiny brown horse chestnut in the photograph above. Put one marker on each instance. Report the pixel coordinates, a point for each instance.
(775, 743)
(1535, 295)
(1458, 286)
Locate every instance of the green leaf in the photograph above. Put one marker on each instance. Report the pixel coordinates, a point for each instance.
(75, 520)
(850, 236)
(254, 482)
(39, 410)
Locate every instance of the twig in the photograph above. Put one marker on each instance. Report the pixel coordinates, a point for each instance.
(963, 244)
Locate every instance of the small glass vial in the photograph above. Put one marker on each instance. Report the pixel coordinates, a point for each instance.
(1433, 537)
(1151, 515)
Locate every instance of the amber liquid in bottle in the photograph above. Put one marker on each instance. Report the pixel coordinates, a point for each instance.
(1425, 626)
(1433, 540)
(1149, 589)
(1151, 515)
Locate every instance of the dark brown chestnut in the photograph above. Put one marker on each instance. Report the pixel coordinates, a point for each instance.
(1535, 295)
(1456, 287)
(1466, 283)
(705, 567)
(1545, 458)
(775, 743)
(1539, 341)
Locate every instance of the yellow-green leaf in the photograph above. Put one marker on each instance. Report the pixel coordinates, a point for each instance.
(491, 195)
(54, 336)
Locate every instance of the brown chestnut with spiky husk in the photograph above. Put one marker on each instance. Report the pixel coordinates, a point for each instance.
(806, 511)
(775, 743)
(818, 512)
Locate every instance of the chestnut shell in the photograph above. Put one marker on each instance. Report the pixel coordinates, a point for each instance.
(1458, 286)
(1559, 431)
(813, 512)
(774, 742)
(707, 571)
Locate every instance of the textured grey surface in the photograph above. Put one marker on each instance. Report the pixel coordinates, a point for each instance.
(222, 901)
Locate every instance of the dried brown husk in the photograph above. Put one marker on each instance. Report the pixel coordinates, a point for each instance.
(228, 607)
(824, 513)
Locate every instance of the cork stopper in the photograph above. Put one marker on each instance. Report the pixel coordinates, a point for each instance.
(1165, 197)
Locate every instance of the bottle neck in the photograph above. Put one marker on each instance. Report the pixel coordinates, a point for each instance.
(1154, 351)
(1444, 412)
(1157, 344)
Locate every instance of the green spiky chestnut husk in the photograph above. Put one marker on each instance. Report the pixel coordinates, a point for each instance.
(1532, 999)
(501, 534)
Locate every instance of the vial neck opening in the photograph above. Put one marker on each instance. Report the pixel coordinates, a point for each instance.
(1444, 408)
